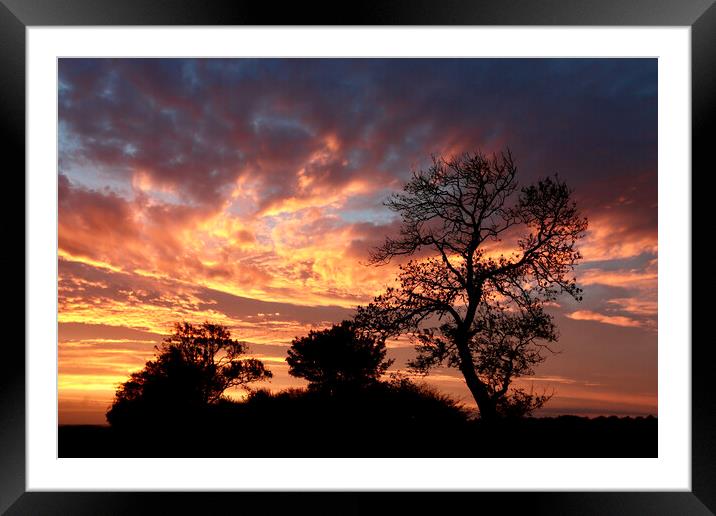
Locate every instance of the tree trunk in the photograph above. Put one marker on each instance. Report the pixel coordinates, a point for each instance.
(485, 404)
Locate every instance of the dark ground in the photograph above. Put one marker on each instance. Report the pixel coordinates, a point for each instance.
(565, 436)
(387, 423)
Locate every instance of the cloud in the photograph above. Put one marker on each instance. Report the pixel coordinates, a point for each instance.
(622, 291)
(305, 256)
(616, 320)
(142, 308)
(338, 120)
(645, 307)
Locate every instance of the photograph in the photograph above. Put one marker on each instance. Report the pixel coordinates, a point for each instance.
(357, 257)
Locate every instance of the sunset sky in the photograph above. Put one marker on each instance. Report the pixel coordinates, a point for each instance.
(248, 192)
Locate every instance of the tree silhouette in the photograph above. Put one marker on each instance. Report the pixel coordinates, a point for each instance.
(342, 356)
(194, 366)
(489, 256)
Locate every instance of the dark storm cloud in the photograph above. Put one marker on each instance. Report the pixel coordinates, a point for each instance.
(196, 126)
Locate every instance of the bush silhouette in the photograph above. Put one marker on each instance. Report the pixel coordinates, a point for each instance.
(380, 419)
(194, 367)
(340, 357)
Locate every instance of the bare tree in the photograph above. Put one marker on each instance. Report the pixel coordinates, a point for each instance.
(487, 257)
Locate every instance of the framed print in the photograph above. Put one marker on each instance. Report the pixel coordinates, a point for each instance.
(444, 249)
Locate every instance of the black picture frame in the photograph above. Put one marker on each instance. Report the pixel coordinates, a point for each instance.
(17, 15)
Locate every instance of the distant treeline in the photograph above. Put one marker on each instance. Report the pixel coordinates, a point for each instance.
(386, 420)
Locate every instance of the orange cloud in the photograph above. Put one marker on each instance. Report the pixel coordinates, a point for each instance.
(616, 320)
(618, 278)
(271, 256)
(645, 307)
(612, 236)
